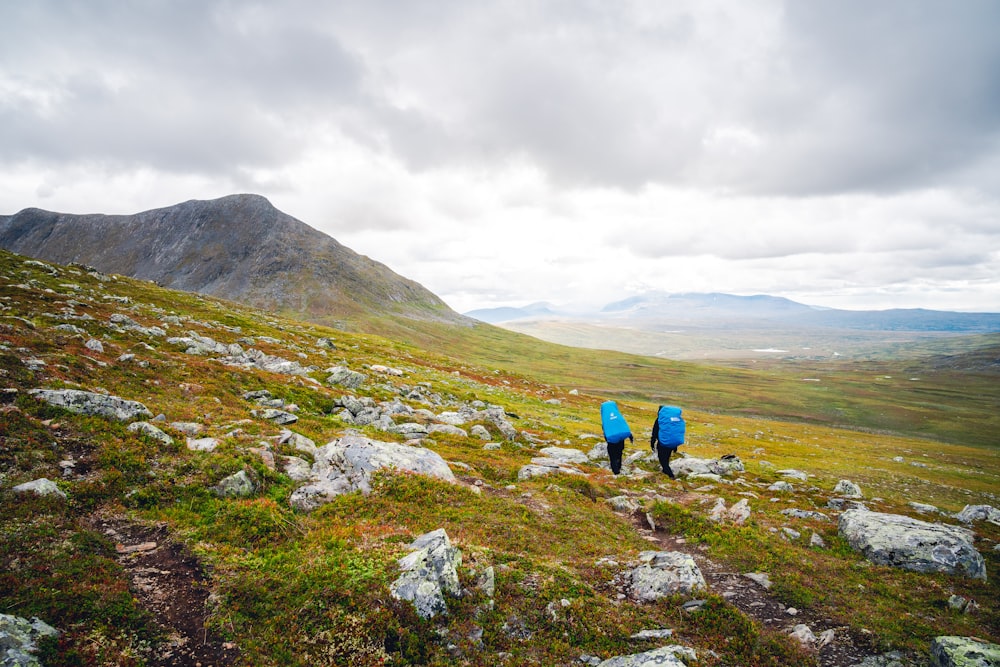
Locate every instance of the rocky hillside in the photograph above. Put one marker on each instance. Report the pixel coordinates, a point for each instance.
(184, 481)
(238, 247)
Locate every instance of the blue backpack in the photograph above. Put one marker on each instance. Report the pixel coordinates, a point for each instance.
(615, 427)
(671, 426)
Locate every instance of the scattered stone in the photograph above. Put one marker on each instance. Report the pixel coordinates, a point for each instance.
(890, 659)
(17, 640)
(202, 444)
(964, 652)
(794, 474)
(663, 573)
(844, 504)
(237, 485)
(540, 467)
(94, 345)
(760, 578)
(664, 633)
(135, 548)
(665, 656)
(279, 417)
(790, 533)
(346, 465)
(825, 637)
(804, 634)
(847, 489)
(93, 404)
(447, 429)
(815, 540)
(492, 446)
(623, 504)
(345, 377)
(805, 514)
(901, 541)
(188, 428)
(40, 487)
(979, 513)
(487, 582)
(564, 454)
(148, 430)
(428, 574)
(689, 466)
(781, 486)
(739, 512)
(479, 431)
(924, 508)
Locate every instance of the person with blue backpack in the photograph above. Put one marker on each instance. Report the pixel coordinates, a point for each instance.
(668, 435)
(616, 432)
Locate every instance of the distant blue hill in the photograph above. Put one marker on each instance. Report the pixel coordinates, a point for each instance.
(655, 310)
(508, 314)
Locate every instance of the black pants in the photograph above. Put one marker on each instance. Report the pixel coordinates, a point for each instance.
(664, 453)
(615, 451)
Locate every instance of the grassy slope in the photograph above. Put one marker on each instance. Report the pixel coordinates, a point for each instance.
(313, 588)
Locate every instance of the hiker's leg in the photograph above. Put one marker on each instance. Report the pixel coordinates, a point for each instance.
(663, 453)
(615, 451)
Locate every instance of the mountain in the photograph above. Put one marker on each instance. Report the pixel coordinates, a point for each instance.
(507, 314)
(238, 247)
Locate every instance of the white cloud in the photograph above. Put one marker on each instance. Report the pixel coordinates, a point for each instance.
(842, 153)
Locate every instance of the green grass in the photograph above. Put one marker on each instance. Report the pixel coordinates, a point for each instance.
(304, 589)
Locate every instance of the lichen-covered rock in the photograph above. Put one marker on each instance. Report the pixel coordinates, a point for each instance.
(663, 573)
(665, 656)
(541, 466)
(94, 404)
(623, 504)
(564, 454)
(689, 466)
(428, 574)
(972, 513)
(847, 489)
(17, 640)
(901, 541)
(237, 485)
(347, 464)
(345, 377)
(147, 429)
(40, 487)
(964, 652)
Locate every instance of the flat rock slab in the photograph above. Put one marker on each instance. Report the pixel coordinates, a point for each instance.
(91, 403)
(663, 573)
(964, 652)
(665, 656)
(911, 544)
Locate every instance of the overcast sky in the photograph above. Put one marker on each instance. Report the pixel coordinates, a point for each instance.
(840, 153)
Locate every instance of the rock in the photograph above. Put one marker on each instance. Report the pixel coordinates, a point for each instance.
(804, 634)
(760, 578)
(739, 512)
(17, 640)
(447, 429)
(428, 574)
(540, 467)
(664, 633)
(565, 454)
(665, 656)
(979, 513)
(598, 452)
(279, 417)
(815, 540)
(847, 489)
(890, 659)
(386, 370)
(150, 431)
(900, 541)
(238, 485)
(623, 504)
(346, 465)
(298, 469)
(689, 466)
(188, 428)
(842, 504)
(345, 377)
(487, 582)
(781, 486)
(805, 514)
(663, 573)
(493, 446)
(40, 487)
(964, 652)
(794, 474)
(94, 345)
(480, 431)
(202, 444)
(924, 508)
(90, 403)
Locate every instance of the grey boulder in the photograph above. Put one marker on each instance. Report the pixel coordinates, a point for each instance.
(91, 403)
(964, 652)
(237, 485)
(911, 544)
(40, 487)
(17, 640)
(347, 464)
(428, 574)
(972, 513)
(663, 573)
(665, 656)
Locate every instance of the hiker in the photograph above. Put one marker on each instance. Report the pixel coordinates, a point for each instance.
(616, 432)
(667, 436)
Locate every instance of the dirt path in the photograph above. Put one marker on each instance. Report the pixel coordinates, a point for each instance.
(846, 649)
(170, 583)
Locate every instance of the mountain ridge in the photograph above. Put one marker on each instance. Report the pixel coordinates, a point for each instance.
(239, 247)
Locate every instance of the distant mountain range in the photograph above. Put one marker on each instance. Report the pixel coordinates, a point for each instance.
(239, 248)
(658, 310)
